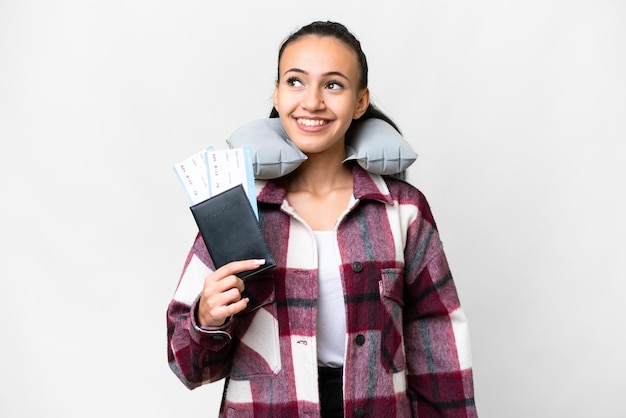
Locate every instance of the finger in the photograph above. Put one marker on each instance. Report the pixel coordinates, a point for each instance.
(232, 295)
(217, 310)
(225, 296)
(219, 284)
(236, 307)
(240, 285)
(235, 267)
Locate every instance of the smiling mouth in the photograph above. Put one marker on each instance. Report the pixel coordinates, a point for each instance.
(311, 122)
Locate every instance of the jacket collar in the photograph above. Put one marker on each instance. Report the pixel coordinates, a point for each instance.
(365, 186)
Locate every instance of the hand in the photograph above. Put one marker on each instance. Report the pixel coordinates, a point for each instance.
(221, 295)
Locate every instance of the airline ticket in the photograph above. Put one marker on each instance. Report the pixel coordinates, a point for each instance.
(211, 171)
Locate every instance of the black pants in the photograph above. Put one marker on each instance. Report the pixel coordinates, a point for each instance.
(331, 393)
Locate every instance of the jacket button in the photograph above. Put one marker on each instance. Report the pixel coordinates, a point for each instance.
(360, 339)
(357, 266)
(358, 412)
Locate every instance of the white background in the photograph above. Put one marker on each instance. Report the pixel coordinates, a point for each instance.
(516, 108)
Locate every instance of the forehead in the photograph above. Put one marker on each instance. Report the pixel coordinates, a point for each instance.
(319, 52)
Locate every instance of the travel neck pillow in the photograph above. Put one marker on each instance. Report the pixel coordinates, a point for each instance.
(373, 143)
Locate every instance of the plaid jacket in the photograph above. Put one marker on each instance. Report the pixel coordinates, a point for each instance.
(407, 348)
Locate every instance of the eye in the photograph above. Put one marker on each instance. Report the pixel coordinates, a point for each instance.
(334, 85)
(293, 82)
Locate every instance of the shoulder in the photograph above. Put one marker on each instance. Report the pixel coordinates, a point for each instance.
(404, 193)
(402, 190)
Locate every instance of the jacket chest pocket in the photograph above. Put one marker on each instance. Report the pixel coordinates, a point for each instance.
(391, 287)
(257, 351)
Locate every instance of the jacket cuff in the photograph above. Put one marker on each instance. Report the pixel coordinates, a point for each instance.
(213, 338)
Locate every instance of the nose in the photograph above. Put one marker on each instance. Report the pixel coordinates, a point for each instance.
(313, 100)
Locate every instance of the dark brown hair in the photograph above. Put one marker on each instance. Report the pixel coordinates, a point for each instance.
(340, 32)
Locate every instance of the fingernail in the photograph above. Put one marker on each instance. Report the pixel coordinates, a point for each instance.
(259, 262)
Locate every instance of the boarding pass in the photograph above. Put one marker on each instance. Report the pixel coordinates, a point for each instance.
(210, 172)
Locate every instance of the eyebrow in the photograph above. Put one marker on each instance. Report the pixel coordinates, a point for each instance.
(330, 73)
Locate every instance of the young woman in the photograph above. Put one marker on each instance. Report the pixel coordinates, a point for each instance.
(360, 316)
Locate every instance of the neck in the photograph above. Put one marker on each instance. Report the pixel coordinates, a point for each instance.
(321, 174)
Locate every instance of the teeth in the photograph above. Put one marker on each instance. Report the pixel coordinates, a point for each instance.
(311, 122)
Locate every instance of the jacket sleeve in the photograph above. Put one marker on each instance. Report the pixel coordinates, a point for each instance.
(439, 365)
(196, 355)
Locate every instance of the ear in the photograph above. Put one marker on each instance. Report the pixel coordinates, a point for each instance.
(275, 95)
(362, 103)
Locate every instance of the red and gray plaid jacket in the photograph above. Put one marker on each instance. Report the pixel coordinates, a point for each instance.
(407, 348)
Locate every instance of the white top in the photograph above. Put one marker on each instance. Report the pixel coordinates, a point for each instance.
(331, 311)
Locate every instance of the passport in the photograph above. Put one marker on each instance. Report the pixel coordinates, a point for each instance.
(230, 230)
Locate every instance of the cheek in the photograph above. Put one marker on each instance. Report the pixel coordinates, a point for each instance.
(345, 108)
(284, 102)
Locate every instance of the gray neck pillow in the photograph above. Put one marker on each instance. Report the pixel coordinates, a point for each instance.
(373, 143)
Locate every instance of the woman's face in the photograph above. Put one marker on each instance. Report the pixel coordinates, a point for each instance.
(318, 95)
